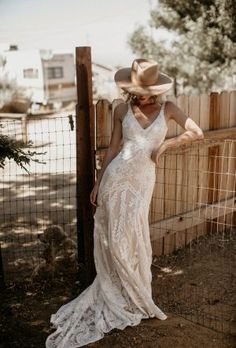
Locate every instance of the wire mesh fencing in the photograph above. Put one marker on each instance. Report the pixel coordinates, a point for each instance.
(192, 217)
(38, 210)
(193, 231)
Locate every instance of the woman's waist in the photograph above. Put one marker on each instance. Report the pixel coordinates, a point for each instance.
(131, 148)
(140, 154)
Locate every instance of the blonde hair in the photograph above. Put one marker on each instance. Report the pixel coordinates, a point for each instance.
(133, 98)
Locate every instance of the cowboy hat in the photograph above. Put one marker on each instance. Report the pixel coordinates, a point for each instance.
(143, 78)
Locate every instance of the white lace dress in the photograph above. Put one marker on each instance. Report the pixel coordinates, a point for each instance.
(121, 292)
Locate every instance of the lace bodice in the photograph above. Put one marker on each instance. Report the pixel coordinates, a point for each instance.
(139, 139)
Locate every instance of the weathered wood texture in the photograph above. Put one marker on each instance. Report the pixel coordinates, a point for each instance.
(85, 164)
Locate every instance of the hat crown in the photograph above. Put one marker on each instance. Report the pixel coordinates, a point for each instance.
(144, 72)
(143, 78)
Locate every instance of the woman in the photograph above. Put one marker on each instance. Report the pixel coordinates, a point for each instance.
(121, 292)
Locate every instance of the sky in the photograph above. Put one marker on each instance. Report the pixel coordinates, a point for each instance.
(65, 24)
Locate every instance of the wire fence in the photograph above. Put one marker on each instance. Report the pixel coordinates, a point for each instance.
(192, 220)
(38, 206)
(193, 230)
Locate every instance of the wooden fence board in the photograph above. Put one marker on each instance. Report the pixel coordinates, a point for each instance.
(203, 159)
(158, 199)
(231, 218)
(224, 107)
(170, 185)
(213, 156)
(181, 175)
(157, 205)
(193, 167)
(185, 221)
(103, 123)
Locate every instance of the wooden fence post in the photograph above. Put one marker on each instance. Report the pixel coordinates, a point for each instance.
(85, 165)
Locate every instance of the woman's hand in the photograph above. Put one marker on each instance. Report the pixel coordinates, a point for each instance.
(156, 154)
(93, 194)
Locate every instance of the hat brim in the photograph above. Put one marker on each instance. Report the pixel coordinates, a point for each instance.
(123, 80)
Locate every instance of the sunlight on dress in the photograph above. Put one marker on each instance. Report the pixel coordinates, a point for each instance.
(121, 293)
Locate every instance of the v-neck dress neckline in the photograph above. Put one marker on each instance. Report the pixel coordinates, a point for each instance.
(144, 129)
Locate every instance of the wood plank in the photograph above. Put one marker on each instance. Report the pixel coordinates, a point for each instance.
(223, 157)
(170, 185)
(184, 221)
(157, 204)
(103, 123)
(203, 159)
(231, 181)
(7, 115)
(169, 198)
(103, 131)
(115, 102)
(231, 218)
(213, 156)
(220, 134)
(181, 176)
(192, 168)
(85, 169)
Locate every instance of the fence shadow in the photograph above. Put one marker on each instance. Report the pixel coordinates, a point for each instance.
(29, 206)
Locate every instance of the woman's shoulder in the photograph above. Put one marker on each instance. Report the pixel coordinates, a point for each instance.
(169, 108)
(120, 110)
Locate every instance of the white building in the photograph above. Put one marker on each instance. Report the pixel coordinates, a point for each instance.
(49, 77)
(46, 77)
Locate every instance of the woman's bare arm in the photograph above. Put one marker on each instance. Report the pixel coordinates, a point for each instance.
(193, 131)
(116, 138)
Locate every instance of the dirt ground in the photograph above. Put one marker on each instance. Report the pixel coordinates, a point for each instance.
(194, 286)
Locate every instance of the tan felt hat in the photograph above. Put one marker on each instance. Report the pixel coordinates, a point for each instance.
(143, 78)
